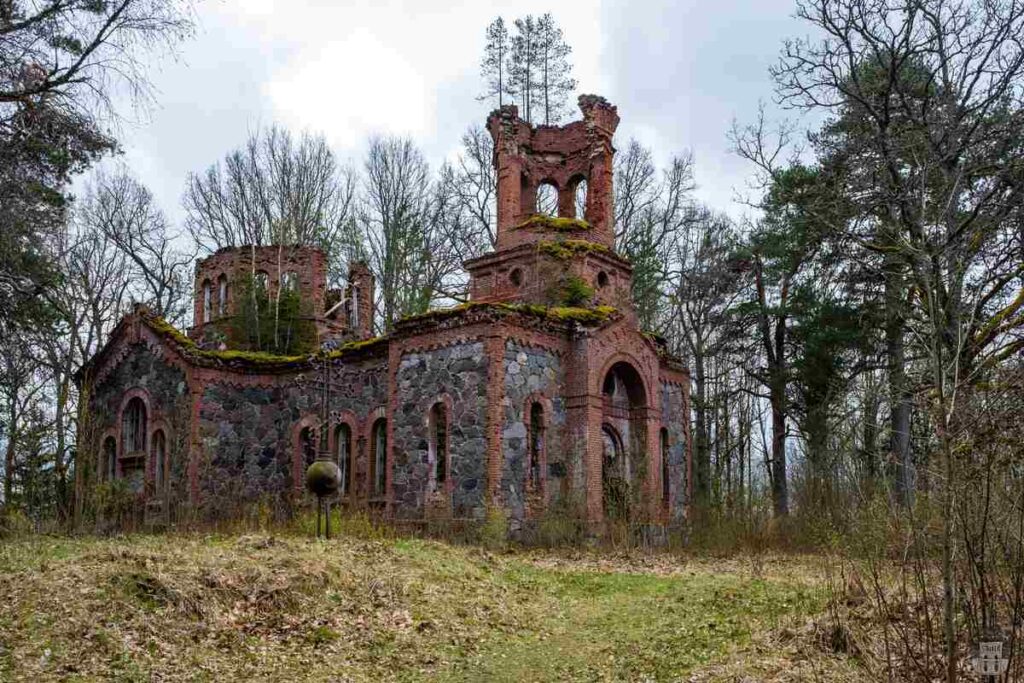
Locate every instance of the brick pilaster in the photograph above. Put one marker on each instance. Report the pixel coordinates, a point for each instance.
(494, 347)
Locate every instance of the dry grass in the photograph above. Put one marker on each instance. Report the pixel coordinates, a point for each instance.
(189, 607)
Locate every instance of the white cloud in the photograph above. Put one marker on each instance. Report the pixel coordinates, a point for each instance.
(351, 88)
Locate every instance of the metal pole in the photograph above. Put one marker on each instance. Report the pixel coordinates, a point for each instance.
(318, 505)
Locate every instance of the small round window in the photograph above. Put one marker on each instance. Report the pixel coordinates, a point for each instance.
(516, 277)
(602, 279)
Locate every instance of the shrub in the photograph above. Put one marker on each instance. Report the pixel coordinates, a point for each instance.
(494, 532)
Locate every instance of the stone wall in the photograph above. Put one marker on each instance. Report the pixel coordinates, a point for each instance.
(164, 389)
(531, 372)
(360, 390)
(673, 410)
(424, 377)
(247, 434)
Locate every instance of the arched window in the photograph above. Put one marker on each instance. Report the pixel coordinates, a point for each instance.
(307, 441)
(665, 489)
(133, 427)
(207, 301)
(290, 281)
(343, 444)
(222, 295)
(378, 455)
(536, 451)
(159, 459)
(262, 284)
(353, 309)
(547, 199)
(438, 425)
(109, 464)
(581, 199)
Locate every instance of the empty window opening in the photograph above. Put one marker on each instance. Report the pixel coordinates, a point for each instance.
(343, 441)
(307, 442)
(581, 199)
(516, 277)
(207, 301)
(109, 471)
(602, 279)
(159, 459)
(536, 453)
(438, 425)
(547, 199)
(378, 456)
(290, 281)
(353, 311)
(222, 295)
(665, 488)
(133, 427)
(261, 284)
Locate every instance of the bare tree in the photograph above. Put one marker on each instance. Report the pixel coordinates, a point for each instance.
(473, 183)
(703, 288)
(407, 227)
(274, 190)
(123, 211)
(649, 213)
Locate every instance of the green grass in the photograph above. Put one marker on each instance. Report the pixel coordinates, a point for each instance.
(215, 608)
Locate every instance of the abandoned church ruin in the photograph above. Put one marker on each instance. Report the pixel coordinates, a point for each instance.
(539, 392)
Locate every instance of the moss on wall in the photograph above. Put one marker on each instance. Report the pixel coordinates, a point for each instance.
(564, 250)
(539, 221)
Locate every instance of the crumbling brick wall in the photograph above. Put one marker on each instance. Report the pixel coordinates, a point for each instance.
(527, 156)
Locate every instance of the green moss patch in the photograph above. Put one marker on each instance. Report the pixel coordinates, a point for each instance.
(255, 358)
(565, 250)
(540, 221)
(353, 346)
(579, 314)
(584, 316)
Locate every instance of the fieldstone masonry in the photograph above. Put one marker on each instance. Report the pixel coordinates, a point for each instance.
(457, 376)
(544, 362)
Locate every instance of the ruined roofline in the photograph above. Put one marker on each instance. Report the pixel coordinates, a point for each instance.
(595, 109)
(251, 362)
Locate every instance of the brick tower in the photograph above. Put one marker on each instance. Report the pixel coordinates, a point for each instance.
(563, 260)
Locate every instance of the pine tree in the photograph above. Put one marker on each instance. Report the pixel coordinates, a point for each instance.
(554, 80)
(494, 65)
(522, 65)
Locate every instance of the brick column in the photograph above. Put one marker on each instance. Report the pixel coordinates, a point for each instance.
(195, 393)
(652, 423)
(583, 429)
(494, 349)
(394, 361)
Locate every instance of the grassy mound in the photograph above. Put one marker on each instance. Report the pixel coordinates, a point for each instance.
(284, 608)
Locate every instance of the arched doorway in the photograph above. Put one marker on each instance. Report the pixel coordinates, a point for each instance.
(614, 474)
(624, 438)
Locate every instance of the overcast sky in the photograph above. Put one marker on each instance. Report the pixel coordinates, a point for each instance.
(679, 72)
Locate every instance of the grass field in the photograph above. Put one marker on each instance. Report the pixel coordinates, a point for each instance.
(256, 607)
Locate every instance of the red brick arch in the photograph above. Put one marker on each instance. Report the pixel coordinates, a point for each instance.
(449, 405)
(549, 408)
(298, 468)
(143, 395)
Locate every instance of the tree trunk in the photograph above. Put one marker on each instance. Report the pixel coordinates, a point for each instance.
(900, 463)
(780, 487)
